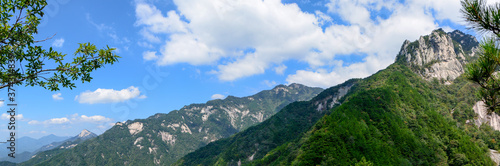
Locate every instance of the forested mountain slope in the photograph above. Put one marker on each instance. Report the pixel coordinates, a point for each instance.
(164, 138)
(55, 148)
(286, 125)
(415, 112)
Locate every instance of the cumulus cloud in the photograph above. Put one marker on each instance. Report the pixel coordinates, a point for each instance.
(58, 42)
(72, 119)
(220, 32)
(89, 119)
(218, 96)
(53, 121)
(151, 17)
(109, 95)
(205, 40)
(57, 96)
(1, 103)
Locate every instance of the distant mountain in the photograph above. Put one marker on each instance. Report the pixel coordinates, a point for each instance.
(27, 145)
(84, 135)
(164, 138)
(6, 163)
(414, 112)
(55, 148)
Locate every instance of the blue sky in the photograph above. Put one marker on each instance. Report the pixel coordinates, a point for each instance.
(179, 52)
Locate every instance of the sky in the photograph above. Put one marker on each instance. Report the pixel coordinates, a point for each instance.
(179, 52)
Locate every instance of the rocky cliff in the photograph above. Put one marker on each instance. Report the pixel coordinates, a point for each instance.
(443, 56)
(439, 55)
(394, 117)
(483, 117)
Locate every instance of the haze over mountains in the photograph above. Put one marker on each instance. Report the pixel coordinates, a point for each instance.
(33, 147)
(27, 146)
(55, 148)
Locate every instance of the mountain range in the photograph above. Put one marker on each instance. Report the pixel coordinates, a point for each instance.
(418, 111)
(164, 138)
(52, 149)
(58, 143)
(26, 146)
(415, 112)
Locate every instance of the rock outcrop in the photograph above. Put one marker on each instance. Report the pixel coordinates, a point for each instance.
(483, 117)
(439, 55)
(495, 156)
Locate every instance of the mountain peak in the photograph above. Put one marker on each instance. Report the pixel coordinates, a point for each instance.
(438, 55)
(85, 134)
(468, 42)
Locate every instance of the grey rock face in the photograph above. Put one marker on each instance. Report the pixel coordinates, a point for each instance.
(438, 55)
(484, 118)
(495, 156)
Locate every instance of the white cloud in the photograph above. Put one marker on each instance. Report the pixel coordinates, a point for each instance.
(109, 95)
(94, 119)
(6, 116)
(187, 48)
(1, 103)
(58, 42)
(54, 121)
(215, 33)
(149, 55)
(205, 40)
(57, 96)
(72, 119)
(280, 70)
(58, 121)
(380, 40)
(218, 96)
(151, 17)
(447, 9)
(323, 18)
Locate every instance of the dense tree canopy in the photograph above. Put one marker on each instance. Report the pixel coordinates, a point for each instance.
(486, 19)
(22, 61)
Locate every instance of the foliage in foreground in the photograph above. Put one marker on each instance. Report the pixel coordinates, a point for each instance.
(485, 18)
(24, 62)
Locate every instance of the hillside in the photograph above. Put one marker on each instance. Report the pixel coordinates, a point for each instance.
(393, 118)
(164, 138)
(287, 125)
(417, 111)
(55, 148)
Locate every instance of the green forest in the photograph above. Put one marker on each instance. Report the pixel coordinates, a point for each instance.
(393, 117)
